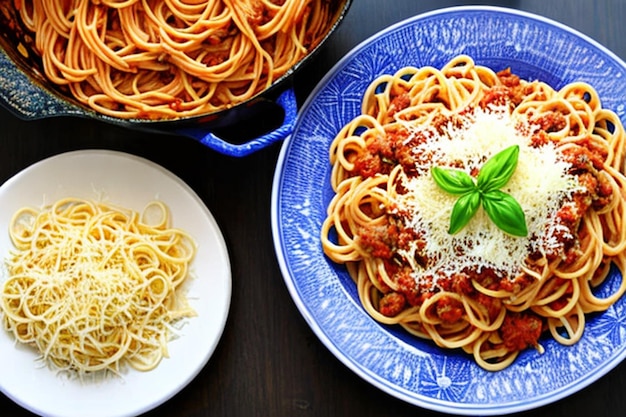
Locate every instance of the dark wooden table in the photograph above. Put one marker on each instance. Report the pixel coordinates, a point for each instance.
(268, 362)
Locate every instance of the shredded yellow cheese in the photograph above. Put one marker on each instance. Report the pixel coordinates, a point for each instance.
(94, 287)
(539, 184)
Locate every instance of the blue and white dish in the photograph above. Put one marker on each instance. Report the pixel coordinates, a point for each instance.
(408, 368)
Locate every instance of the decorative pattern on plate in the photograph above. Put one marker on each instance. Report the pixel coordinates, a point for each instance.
(408, 368)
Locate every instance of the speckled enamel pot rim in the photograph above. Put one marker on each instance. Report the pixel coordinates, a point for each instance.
(28, 95)
(414, 370)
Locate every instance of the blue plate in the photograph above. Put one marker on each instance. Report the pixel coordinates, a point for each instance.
(410, 369)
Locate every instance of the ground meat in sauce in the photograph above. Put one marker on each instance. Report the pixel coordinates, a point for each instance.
(449, 309)
(550, 122)
(519, 330)
(379, 241)
(511, 91)
(382, 153)
(375, 159)
(392, 304)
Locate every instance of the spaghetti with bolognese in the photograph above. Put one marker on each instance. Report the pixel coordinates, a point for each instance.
(480, 289)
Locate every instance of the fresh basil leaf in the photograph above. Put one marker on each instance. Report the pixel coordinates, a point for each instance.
(463, 210)
(453, 181)
(505, 212)
(498, 170)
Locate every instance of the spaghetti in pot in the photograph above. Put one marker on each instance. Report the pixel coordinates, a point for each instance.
(480, 290)
(153, 59)
(94, 287)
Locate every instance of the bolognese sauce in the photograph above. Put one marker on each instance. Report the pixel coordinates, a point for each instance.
(490, 293)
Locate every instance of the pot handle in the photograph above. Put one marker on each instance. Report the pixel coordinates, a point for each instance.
(287, 100)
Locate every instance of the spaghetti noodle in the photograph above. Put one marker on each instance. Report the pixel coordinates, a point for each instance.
(94, 287)
(480, 290)
(153, 59)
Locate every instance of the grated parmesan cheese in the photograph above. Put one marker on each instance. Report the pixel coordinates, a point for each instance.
(539, 184)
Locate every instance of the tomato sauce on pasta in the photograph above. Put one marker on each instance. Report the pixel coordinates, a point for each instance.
(153, 59)
(481, 290)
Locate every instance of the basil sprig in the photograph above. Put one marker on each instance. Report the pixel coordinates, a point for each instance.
(503, 210)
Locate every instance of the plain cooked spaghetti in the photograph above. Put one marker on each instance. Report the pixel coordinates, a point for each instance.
(153, 59)
(481, 290)
(95, 287)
